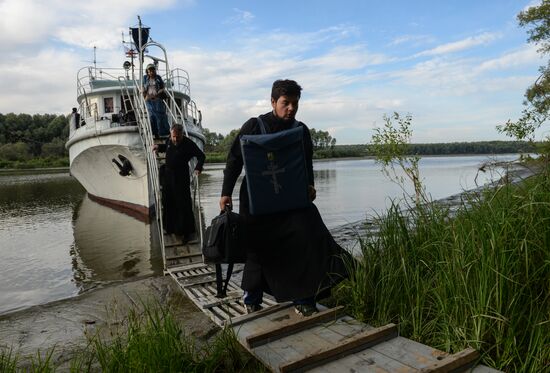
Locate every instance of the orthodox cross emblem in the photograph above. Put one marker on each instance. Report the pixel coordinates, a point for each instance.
(272, 170)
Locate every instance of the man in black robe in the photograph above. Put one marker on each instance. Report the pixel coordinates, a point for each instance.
(291, 254)
(177, 205)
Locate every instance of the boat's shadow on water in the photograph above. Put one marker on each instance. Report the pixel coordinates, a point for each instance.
(111, 246)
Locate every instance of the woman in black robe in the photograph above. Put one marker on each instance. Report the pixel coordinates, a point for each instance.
(177, 205)
(291, 254)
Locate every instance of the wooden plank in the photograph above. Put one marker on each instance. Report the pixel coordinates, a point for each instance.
(332, 331)
(261, 313)
(213, 303)
(292, 326)
(454, 363)
(186, 276)
(366, 361)
(183, 256)
(228, 310)
(410, 352)
(173, 244)
(208, 280)
(187, 267)
(346, 347)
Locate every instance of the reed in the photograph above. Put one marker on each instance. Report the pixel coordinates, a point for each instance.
(479, 278)
(8, 360)
(155, 342)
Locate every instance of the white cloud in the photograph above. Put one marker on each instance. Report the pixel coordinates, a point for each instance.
(525, 56)
(33, 91)
(412, 40)
(460, 45)
(347, 58)
(24, 22)
(77, 23)
(240, 17)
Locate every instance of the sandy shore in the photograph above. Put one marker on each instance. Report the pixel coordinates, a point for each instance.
(65, 325)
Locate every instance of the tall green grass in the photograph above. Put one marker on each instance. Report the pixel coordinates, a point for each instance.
(480, 278)
(149, 341)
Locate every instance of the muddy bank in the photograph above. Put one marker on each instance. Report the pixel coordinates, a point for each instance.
(64, 325)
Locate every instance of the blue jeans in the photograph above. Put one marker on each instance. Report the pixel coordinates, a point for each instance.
(157, 115)
(256, 297)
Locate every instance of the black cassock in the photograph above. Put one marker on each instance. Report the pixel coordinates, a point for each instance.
(291, 254)
(178, 215)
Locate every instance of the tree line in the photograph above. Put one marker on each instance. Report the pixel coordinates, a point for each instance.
(25, 137)
(39, 141)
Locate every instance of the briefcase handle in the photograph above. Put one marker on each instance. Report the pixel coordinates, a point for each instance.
(227, 208)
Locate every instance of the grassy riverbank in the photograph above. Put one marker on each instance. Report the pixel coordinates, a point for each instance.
(34, 163)
(480, 278)
(148, 341)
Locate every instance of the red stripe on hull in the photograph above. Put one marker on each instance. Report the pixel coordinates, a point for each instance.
(138, 212)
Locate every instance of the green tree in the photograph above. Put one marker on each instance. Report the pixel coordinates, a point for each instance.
(321, 139)
(227, 141)
(15, 152)
(213, 140)
(537, 96)
(55, 148)
(391, 148)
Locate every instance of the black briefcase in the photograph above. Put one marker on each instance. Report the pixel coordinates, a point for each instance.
(224, 241)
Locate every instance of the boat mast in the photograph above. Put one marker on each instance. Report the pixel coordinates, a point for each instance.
(140, 55)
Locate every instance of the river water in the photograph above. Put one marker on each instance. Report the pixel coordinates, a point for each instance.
(56, 243)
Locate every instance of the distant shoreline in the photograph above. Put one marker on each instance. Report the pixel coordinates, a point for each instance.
(66, 169)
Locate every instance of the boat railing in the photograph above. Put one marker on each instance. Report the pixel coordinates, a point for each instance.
(176, 80)
(91, 77)
(139, 108)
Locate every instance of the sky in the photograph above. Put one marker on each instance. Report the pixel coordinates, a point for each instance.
(458, 67)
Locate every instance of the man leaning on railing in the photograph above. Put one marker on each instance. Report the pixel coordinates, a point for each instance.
(154, 92)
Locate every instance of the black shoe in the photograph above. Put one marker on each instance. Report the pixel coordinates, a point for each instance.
(253, 308)
(305, 309)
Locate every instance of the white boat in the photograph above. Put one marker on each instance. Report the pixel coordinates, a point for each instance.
(107, 143)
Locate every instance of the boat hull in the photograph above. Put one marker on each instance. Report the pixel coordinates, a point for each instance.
(91, 158)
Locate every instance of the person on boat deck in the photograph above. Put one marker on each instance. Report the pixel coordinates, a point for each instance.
(290, 255)
(178, 215)
(75, 119)
(153, 91)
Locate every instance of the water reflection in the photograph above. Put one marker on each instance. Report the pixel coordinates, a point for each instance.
(111, 246)
(35, 237)
(55, 242)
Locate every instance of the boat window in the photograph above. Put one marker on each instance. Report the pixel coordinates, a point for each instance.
(108, 105)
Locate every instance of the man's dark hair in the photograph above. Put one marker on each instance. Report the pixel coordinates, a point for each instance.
(285, 88)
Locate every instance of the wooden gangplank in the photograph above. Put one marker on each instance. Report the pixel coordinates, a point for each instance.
(333, 342)
(328, 341)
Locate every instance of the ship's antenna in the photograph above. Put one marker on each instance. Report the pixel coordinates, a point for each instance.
(140, 54)
(95, 62)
